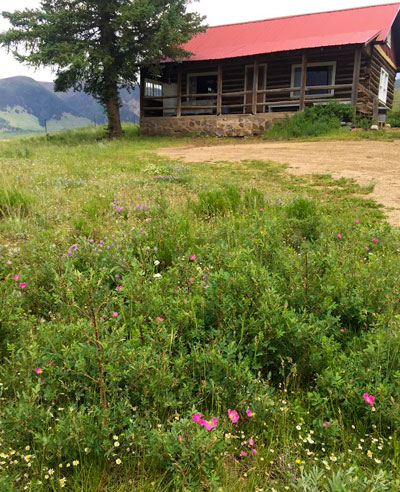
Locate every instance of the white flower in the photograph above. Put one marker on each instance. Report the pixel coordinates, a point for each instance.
(157, 275)
(116, 444)
(156, 262)
(118, 461)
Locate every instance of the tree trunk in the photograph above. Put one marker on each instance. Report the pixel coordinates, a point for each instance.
(114, 118)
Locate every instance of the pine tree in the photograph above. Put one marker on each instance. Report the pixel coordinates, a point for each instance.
(98, 45)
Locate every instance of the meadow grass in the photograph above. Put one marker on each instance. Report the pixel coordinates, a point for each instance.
(137, 292)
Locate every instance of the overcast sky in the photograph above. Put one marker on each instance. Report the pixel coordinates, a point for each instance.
(217, 12)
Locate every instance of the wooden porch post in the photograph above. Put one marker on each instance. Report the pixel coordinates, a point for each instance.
(219, 90)
(179, 94)
(375, 111)
(142, 82)
(356, 77)
(303, 82)
(255, 87)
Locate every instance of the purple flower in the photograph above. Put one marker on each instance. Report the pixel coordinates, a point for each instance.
(72, 249)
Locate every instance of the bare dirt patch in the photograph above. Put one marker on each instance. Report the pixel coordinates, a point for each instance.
(366, 161)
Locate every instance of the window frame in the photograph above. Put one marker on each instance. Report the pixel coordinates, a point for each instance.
(385, 88)
(248, 67)
(331, 92)
(198, 74)
(153, 84)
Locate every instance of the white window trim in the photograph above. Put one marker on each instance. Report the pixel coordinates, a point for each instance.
(384, 72)
(153, 83)
(316, 64)
(197, 74)
(264, 86)
(389, 39)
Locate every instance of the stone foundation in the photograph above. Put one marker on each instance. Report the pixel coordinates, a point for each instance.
(233, 125)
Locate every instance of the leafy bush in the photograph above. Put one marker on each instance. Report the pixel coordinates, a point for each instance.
(313, 121)
(394, 118)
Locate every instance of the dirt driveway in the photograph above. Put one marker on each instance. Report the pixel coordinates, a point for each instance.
(366, 161)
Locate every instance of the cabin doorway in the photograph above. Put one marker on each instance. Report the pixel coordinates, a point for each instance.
(248, 86)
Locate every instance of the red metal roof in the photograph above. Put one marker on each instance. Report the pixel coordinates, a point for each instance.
(341, 27)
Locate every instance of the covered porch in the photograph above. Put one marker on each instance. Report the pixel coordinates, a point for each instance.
(251, 92)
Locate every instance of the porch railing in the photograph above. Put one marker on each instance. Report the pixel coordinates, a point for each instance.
(291, 97)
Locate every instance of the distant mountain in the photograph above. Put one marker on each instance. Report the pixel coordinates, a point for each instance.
(30, 106)
(397, 84)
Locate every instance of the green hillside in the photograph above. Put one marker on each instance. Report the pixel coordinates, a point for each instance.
(28, 106)
(396, 104)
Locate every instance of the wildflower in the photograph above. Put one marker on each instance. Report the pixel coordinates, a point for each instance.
(249, 413)
(233, 416)
(62, 482)
(156, 262)
(16, 277)
(159, 319)
(38, 370)
(192, 258)
(356, 221)
(251, 442)
(72, 249)
(180, 438)
(191, 280)
(22, 285)
(157, 275)
(243, 453)
(375, 240)
(148, 219)
(119, 287)
(253, 451)
(118, 461)
(369, 399)
(9, 262)
(326, 424)
(75, 463)
(298, 462)
(116, 444)
(339, 236)
(298, 427)
(51, 471)
(115, 314)
(196, 417)
(369, 453)
(115, 438)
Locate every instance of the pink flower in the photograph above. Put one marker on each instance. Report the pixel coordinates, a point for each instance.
(16, 277)
(339, 236)
(249, 413)
(192, 258)
(148, 219)
(356, 221)
(9, 262)
(191, 280)
(22, 285)
(119, 287)
(115, 314)
(326, 424)
(214, 421)
(180, 439)
(254, 452)
(251, 442)
(159, 319)
(196, 417)
(243, 453)
(369, 399)
(375, 240)
(233, 416)
(38, 370)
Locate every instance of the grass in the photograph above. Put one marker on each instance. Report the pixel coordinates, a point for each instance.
(243, 287)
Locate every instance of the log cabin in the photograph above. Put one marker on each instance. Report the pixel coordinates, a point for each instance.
(239, 78)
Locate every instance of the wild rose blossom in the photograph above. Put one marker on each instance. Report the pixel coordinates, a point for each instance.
(249, 413)
(243, 453)
(253, 451)
(369, 399)
(375, 240)
(339, 236)
(16, 277)
(38, 370)
(115, 314)
(233, 416)
(159, 319)
(22, 285)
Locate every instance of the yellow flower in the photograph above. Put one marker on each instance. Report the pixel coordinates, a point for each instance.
(118, 461)
(51, 471)
(369, 453)
(298, 462)
(75, 462)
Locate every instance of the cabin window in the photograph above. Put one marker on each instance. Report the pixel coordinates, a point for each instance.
(317, 74)
(202, 83)
(383, 86)
(153, 88)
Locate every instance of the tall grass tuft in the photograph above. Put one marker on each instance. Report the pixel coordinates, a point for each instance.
(14, 203)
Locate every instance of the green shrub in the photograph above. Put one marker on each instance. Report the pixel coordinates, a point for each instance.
(394, 118)
(313, 121)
